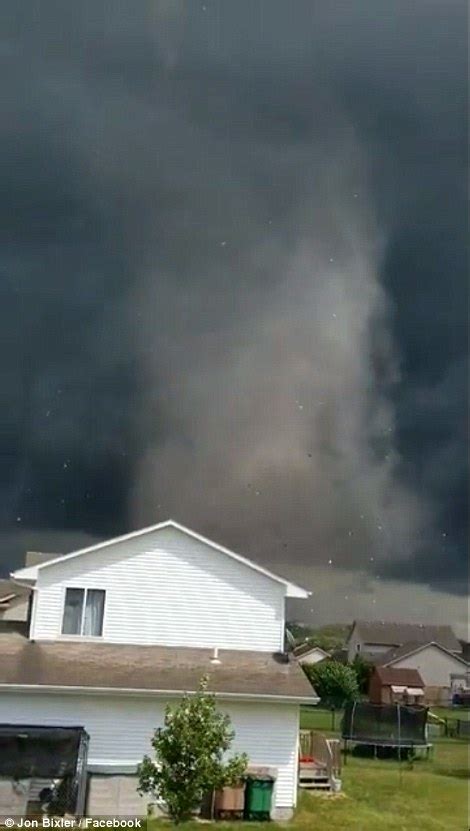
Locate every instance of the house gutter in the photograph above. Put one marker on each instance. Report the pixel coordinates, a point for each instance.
(145, 693)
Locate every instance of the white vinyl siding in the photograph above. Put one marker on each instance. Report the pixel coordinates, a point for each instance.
(356, 646)
(120, 729)
(167, 588)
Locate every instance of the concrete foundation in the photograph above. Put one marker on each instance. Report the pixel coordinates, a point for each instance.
(114, 795)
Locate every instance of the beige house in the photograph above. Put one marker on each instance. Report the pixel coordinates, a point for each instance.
(308, 654)
(373, 639)
(441, 670)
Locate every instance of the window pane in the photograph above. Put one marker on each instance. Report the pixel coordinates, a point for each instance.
(94, 609)
(73, 611)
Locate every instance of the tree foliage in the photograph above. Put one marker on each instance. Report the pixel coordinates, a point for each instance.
(363, 670)
(189, 755)
(335, 683)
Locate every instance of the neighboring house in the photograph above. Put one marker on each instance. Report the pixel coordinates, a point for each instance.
(305, 653)
(123, 627)
(389, 685)
(373, 639)
(441, 670)
(14, 601)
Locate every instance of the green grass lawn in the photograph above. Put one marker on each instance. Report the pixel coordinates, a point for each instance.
(463, 714)
(383, 796)
(315, 718)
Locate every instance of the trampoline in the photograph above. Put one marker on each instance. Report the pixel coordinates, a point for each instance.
(384, 726)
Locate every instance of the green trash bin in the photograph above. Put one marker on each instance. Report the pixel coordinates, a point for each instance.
(258, 797)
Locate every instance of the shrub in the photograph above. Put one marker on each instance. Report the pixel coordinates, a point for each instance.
(189, 753)
(335, 683)
(363, 671)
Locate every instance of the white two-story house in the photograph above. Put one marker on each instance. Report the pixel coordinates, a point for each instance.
(120, 629)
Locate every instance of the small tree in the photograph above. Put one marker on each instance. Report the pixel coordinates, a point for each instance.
(335, 683)
(363, 670)
(189, 753)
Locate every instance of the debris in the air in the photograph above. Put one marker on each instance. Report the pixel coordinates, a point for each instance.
(330, 562)
(371, 559)
(444, 534)
(379, 527)
(362, 516)
(350, 533)
(355, 196)
(257, 493)
(334, 315)
(48, 412)
(223, 243)
(331, 259)
(301, 406)
(65, 465)
(18, 519)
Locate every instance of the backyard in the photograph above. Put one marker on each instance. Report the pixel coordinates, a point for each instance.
(379, 795)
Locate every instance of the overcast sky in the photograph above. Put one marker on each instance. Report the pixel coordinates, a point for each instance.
(234, 286)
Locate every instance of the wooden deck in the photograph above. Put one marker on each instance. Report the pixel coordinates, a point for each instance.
(319, 761)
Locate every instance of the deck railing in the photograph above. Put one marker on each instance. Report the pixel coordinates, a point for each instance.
(326, 752)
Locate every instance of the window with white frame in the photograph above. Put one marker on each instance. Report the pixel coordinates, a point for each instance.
(83, 612)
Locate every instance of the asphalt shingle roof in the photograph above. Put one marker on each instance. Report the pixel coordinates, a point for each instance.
(396, 634)
(159, 668)
(398, 652)
(400, 677)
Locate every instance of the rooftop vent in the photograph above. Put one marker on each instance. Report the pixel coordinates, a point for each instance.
(215, 656)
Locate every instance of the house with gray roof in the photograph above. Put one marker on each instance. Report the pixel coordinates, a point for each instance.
(373, 639)
(118, 630)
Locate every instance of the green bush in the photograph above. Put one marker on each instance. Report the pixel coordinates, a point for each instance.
(335, 683)
(363, 671)
(189, 755)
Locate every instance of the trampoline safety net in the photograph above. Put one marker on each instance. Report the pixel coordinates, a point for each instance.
(384, 724)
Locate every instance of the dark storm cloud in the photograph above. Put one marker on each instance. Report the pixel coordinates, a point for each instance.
(233, 278)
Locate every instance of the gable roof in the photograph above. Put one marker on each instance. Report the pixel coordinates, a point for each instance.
(72, 666)
(395, 634)
(400, 677)
(306, 648)
(30, 573)
(411, 648)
